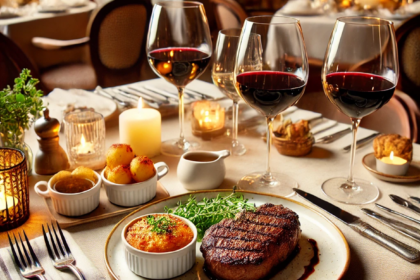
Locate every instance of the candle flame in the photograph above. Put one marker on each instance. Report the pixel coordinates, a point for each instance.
(83, 141)
(391, 156)
(140, 105)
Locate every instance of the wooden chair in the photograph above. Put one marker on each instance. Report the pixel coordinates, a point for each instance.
(228, 14)
(117, 39)
(408, 39)
(12, 61)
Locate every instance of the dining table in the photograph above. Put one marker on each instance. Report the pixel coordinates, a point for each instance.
(367, 260)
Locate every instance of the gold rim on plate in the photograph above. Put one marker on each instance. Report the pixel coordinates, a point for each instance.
(111, 273)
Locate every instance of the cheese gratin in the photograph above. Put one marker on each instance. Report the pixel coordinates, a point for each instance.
(147, 234)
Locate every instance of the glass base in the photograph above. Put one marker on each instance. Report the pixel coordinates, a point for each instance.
(237, 149)
(277, 184)
(362, 192)
(177, 147)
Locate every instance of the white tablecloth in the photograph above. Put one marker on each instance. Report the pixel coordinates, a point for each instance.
(368, 260)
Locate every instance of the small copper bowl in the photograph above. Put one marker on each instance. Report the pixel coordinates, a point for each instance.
(294, 148)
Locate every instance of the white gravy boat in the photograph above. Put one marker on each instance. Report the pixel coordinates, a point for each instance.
(202, 170)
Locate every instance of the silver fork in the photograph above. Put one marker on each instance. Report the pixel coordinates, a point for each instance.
(65, 259)
(31, 267)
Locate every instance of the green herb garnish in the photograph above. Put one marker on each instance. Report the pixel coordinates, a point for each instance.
(203, 214)
(20, 106)
(160, 225)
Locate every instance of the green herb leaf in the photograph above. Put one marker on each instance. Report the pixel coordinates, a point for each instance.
(160, 225)
(207, 212)
(20, 97)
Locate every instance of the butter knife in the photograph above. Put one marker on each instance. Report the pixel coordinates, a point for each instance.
(416, 199)
(335, 136)
(362, 142)
(397, 213)
(402, 228)
(404, 203)
(403, 250)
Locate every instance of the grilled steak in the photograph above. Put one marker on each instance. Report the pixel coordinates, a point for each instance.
(252, 244)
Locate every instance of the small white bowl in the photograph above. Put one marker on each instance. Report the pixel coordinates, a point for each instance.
(134, 194)
(72, 204)
(160, 265)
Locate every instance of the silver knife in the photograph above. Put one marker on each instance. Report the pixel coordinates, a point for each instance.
(166, 96)
(139, 93)
(362, 142)
(402, 228)
(404, 203)
(416, 199)
(200, 94)
(168, 93)
(403, 250)
(397, 213)
(151, 102)
(331, 138)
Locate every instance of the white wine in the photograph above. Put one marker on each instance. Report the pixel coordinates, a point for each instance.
(224, 81)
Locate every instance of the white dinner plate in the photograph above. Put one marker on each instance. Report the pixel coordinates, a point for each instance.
(58, 100)
(334, 251)
(413, 173)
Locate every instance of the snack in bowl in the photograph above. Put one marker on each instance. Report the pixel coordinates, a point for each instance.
(120, 175)
(293, 139)
(160, 246)
(142, 169)
(129, 180)
(72, 194)
(119, 154)
(393, 154)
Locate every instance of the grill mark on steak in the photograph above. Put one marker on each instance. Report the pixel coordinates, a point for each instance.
(233, 233)
(251, 227)
(285, 223)
(234, 244)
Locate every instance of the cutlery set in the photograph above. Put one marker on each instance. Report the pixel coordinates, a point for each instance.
(404, 251)
(58, 251)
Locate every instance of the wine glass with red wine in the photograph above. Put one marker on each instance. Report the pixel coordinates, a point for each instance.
(179, 49)
(359, 76)
(271, 75)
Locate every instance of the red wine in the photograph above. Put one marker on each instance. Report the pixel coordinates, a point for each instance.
(270, 92)
(179, 66)
(358, 94)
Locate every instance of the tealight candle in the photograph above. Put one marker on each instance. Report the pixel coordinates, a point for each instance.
(141, 129)
(84, 147)
(208, 118)
(392, 165)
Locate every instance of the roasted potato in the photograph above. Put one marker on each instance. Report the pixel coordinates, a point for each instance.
(106, 172)
(120, 175)
(119, 154)
(82, 172)
(142, 168)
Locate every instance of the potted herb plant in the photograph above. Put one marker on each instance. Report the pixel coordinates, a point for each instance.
(20, 106)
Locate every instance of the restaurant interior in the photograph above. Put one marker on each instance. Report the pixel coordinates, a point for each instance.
(210, 139)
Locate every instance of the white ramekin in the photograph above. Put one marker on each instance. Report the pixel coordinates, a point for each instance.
(134, 194)
(160, 265)
(72, 204)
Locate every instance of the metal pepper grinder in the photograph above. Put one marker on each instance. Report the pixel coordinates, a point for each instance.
(50, 158)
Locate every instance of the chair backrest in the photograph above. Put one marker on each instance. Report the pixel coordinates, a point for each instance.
(228, 13)
(12, 61)
(408, 39)
(117, 41)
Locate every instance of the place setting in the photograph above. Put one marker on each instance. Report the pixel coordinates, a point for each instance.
(176, 177)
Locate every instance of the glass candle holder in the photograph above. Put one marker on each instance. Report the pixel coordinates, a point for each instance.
(208, 119)
(85, 135)
(14, 189)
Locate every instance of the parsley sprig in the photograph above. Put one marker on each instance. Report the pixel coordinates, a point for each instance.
(160, 225)
(20, 106)
(207, 212)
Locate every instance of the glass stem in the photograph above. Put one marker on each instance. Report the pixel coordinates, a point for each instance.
(181, 141)
(267, 175)
(355, 125)
(235, 108)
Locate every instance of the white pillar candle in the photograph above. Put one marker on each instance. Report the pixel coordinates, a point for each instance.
(392, 165)
(141, 129)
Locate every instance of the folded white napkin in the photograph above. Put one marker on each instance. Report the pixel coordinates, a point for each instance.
(9, 271)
